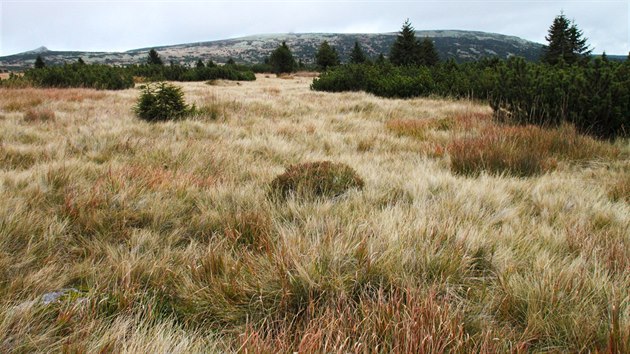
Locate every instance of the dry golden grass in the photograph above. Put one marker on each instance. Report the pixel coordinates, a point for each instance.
(169, 236)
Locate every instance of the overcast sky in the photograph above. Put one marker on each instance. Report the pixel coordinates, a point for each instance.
(89, 25)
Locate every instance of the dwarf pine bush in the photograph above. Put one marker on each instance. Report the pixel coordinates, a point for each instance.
(100, 77)
(162, 101)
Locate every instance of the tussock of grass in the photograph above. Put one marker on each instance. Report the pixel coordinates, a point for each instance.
(394, 321)
(315, 179)
(43, 115)
(523, 150)
(422, 128)
(410, 127)
(22, 104)
(620, 190)
(20, 158)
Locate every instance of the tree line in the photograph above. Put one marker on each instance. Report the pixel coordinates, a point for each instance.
(566, 85)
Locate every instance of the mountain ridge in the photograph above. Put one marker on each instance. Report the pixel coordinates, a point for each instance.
(460, 45)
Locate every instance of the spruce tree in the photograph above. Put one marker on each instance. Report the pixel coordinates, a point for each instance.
(326, 56)
(230, 61)
(566, 44)
(39, 62)
(154, 58)
(281, 59)
(357, 56)
(579, 47)
(80, 61)
(406, 49)
(380, 60)
(200, 64)
(428, 54)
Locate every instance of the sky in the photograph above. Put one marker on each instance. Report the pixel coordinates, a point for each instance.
(90, 25)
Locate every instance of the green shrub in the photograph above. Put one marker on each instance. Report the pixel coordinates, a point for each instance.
(281, 60)
(449, 79)
(594, 97)
(100, 77)
(176, 72)
(162, 101)
(315, 179)
(15, 81)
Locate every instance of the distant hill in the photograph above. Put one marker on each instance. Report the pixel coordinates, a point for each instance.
(460, 45)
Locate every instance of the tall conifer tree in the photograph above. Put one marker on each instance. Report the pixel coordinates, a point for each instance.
(281, 59)
(326, 56)
(357, 56)
(406, 49)
(566, 44)
(39, 62)
(154, 58)
(428, 53)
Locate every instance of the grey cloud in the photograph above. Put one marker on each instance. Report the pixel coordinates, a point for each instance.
(98, 25)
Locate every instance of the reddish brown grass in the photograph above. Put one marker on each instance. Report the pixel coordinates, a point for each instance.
(39, 115)
(22, 99)
(416, 128)
(523, 150)
(620, 189)
(392, 321)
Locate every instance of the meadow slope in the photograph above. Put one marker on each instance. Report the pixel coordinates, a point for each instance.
(163, 237)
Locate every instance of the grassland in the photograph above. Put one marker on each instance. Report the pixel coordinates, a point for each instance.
(467, 235)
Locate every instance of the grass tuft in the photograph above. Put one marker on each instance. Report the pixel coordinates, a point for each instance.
(40, 115)
(523, 150)
(316, 179)
(620, 190)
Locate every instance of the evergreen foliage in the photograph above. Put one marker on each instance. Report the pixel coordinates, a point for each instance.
(380, 60)
(200, 64)
(101, 77)
(262, 68)
(80, 61)
(177, 72)
(595, 97)
(326, 57)
(406, 49)
(357, 56)
(448, 79)
(428, 54)
(162, 101)
(154, 58)
(39, 62)
(281, 60)
(566, 43)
